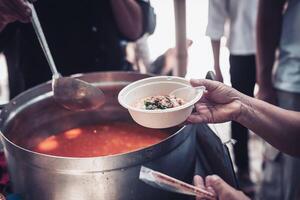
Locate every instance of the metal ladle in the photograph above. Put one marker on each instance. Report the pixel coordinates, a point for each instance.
(69, 92)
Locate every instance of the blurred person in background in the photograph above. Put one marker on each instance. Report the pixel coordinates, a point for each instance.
(166, 63)
(83, 36)
(277, 126)
(162, 65)
(278, 28)
(240, 17)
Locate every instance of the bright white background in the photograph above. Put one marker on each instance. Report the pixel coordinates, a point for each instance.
(200, 53)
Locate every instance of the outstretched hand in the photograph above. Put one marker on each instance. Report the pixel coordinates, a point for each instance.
(13, 10)
(219, 187)
(220, 103)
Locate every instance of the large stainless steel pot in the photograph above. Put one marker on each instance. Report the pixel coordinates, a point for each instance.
(34, 115)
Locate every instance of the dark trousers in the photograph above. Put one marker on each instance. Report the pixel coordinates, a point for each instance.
(242, 73)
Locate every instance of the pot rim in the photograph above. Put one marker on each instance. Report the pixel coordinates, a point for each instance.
(90, 164)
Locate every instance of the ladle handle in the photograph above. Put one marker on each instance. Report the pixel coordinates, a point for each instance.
(40, 34)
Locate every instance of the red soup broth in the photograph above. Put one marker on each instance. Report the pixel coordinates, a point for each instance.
(100, 140)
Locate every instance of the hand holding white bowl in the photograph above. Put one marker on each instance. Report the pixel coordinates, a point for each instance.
(161, 85)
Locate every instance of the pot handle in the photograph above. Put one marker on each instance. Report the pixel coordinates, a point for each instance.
(210, 75)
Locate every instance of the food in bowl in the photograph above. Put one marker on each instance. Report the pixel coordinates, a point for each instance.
(159, 102)
(103, 139)
(149, 87)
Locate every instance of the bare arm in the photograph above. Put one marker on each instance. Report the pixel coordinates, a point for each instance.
(129, 17)
(217, 15)
(279, 127)
(215, 44)
(268, 35)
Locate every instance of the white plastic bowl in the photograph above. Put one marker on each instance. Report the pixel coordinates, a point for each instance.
(160, 85)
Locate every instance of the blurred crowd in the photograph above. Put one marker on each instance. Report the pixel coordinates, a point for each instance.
(264, 49)
(262, 37)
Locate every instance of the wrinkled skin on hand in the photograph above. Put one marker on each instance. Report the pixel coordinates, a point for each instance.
(219, 104)
(219, 187)
(13, 10)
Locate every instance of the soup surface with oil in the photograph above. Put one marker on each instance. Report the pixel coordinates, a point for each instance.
(100, 140)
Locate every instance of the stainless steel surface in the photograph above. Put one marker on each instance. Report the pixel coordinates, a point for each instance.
(34, 115)
(75, 94)
(71, 93)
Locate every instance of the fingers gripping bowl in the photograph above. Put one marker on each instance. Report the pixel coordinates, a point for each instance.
(130, 96)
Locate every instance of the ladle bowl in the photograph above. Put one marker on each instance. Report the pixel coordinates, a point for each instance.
(71, 93)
